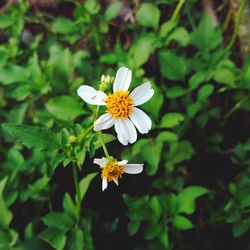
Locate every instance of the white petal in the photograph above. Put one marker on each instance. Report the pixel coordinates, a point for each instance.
(104, 122)
(133, 168)
(122, 163)
(115, 181)
(142, 93)
(126, 131)
(104, 184)
(140, 120)
(91, 95)
(122, 79)
(101, 162)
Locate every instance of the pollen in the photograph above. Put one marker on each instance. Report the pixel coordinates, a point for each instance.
(119, 104)
(112, 171)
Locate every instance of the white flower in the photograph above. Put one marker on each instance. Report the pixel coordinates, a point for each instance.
(121, 106)
(112, 169)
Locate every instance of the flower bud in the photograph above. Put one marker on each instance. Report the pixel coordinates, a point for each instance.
(106, 81)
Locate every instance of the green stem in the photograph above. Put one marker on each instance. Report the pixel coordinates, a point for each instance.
(237, 26)
(96, 113)
(103, 145)
(177, 10)
(236, 106)
(77, 188)
(85, 133)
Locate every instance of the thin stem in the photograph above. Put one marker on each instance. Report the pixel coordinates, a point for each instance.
(177, 10)
(85, 133)
(77, 188)
(103, 145)
(236, 106)
(237, 25)
(96, 113)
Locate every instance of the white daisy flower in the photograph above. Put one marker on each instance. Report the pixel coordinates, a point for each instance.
(112, 169)
(122, 111)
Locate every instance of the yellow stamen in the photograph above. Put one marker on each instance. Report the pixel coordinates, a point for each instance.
(112, 171)
(119, 104)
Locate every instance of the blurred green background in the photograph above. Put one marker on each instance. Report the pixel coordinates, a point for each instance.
(194, 191)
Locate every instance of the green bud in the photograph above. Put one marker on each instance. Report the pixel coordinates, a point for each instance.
(72, 139)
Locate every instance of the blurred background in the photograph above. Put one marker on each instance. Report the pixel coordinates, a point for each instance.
(194, 191)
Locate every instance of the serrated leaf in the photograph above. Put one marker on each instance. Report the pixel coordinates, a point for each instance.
(33, 137)
(69, 207)
(173, 67)
(55, 237)
(58, 220)
(64, 108)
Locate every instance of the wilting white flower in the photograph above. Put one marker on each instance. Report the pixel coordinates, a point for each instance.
(112, 169)
(121, 106)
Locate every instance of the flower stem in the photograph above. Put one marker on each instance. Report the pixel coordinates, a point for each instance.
(177, 10)
(77, 188)
(96, 113)
(237, 26)
(103, 145)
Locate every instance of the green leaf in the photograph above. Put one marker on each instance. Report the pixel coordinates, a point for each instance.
(171, 120)
(5, 214)
(63, 25)
(164, 239)
(155, 103)
(186, 199)
(112, 11)
(205, 91)
(240, 228)
(182, 223)
(13, 73)
(6, 21)
(193, 108)
(224, 76)
(167, 136)
(151, 153)
(175, 92)
(180, 35)
(55, 237)
(141, 50)
(84, 184)
(155, 206)
(133, 227)
(148, 15)
(196, 79)
(206, 37)
(107, 138)
(166, 28)
(33, 137)
(58, 220)
(64, 108)
(152, 230)
(173, 67)
(180, 151)
(76, 240)
(69, 207)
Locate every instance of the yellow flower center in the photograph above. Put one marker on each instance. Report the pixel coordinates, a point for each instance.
(112, 171)
(119, 104)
